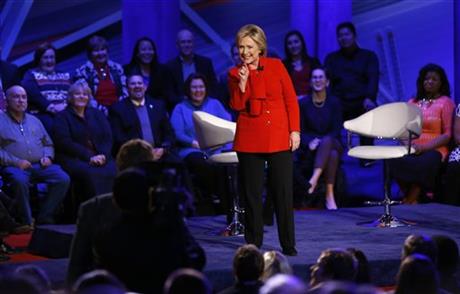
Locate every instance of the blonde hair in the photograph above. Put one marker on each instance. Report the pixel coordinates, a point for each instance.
(78, 85)
(275, 263)
(256, 34)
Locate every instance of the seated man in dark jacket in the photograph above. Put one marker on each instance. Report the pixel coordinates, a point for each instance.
(141, 117)
(150, 239)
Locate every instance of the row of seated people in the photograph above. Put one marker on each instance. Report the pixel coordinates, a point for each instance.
(47, 84)
(50, 93)
(83, 137)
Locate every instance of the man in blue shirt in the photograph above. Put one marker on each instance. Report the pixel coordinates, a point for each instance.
(26, 155)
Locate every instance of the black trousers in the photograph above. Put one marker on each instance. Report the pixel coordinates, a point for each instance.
(252, 170)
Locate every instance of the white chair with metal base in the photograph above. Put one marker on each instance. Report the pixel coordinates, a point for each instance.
(397, 121)
(213, 132)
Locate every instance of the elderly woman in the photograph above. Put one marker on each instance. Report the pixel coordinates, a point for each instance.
(105, 78)
(46, 86)
(418, 172)
(196, 90)
(144, 62)
(298, 63)
(83, 141)
(321, 123)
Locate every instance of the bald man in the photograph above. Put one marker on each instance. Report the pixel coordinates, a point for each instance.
(187, 63)
(26, 156)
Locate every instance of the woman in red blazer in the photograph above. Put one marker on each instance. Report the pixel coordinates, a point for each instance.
(267, 131)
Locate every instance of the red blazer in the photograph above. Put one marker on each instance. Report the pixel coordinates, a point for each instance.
(268, 109)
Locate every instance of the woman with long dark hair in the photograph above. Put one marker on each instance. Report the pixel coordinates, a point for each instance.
(419, 171)
(144, 62)
(298, 63)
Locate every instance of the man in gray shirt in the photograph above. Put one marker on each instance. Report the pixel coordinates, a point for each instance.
(26, 154)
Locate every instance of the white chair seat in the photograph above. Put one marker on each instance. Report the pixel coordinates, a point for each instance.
(378, 152)
(224, 157)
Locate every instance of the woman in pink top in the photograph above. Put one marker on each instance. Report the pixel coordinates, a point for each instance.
(418, 172)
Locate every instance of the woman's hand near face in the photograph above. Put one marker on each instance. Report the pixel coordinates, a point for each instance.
(294, 141)
(243, 73)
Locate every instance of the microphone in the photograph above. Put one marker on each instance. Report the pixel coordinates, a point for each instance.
(260, 68)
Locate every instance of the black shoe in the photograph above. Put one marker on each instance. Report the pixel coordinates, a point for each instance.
(290, 251)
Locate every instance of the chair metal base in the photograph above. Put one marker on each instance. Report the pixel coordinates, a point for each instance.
(387, 220)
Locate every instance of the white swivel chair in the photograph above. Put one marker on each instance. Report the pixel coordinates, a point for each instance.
(397, 121)
(213, 132)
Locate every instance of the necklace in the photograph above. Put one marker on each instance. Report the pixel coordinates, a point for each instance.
(425, 103)
(318, 104)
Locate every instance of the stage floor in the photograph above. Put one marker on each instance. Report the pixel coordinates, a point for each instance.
(316, 230)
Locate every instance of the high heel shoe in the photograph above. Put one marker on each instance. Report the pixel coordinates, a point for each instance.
(330, 205)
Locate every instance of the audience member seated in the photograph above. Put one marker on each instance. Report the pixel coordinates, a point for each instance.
(447, 263)
(248, 267)
(105, 77)
(196, 91)
(451, 189)
(26, 156)
(333, 265)
(416, 172)
(298, 63)
(46, 86)
(36, 275)
(320, 122)
(417, 274)
(98, 282)
(100, 210)
(9, 76)
(141, 117)
(419, 244)
(83, 140)
(150, 239)
(144, 62)
(223, 78)
(354, 75)
(275, 263)
(363, 275)
(283, 284)
(188, 63)
(187, 280)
